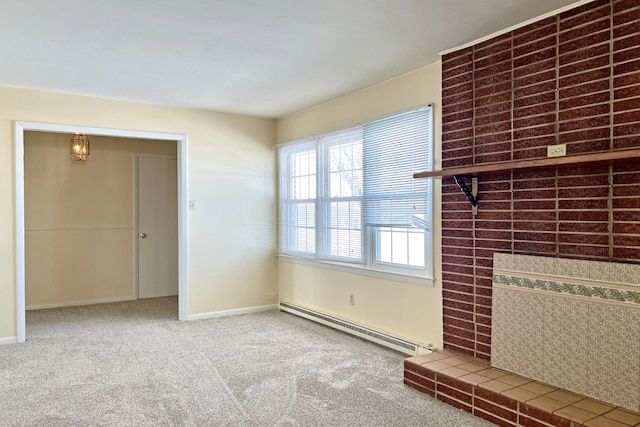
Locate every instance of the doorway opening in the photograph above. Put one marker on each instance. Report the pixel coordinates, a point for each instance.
(19, 135)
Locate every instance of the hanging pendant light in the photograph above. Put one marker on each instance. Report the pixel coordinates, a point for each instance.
(79, 146)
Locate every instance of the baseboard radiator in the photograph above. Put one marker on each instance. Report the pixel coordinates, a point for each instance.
(573, 324)
(394, 343)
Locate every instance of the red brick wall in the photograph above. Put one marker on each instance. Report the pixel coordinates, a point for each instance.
(575, 79)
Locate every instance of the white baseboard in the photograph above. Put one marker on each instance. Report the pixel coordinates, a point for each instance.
(72, 303)
(234, 312)
(8, 340)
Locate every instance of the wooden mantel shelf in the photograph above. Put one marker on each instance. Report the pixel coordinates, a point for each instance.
(536, 163)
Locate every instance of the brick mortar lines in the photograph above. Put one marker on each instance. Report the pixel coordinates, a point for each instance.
(511, 199)
(611, 126)
(477, 400)
(439, 391)
(473, 224)
(557, 131)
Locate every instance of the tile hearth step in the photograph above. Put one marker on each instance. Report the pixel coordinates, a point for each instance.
(507, 399)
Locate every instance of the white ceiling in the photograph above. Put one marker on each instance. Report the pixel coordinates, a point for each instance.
(258, 57)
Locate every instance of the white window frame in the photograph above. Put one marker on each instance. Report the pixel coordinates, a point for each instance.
(323, 226)
(368, 266)
(286, 196)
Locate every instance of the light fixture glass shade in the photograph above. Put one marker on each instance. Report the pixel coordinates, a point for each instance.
(79, 146)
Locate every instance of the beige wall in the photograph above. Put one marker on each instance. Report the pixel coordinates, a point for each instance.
(230, 174)
(412, 312)
(79, 218)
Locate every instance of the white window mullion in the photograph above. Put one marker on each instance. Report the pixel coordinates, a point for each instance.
(321, 222)
(371, 245)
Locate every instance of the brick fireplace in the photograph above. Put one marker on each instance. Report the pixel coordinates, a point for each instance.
(571, 79)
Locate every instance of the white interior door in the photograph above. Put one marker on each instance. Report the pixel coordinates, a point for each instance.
(157, 227)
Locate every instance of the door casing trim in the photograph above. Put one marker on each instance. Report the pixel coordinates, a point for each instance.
(183, 227)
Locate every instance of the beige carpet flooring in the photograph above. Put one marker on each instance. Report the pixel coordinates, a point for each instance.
(135, 364)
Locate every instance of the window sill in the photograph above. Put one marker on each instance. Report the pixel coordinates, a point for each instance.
(354, 269)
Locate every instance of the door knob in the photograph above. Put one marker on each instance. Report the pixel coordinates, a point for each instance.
(143, 235)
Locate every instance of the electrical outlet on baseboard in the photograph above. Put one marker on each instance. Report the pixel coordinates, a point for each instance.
(272, 296)
(558, 150)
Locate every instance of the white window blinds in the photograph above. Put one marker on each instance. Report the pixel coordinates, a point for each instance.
(395, 148)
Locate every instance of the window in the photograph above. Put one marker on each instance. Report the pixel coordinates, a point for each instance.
(298, 198)
(349, 196)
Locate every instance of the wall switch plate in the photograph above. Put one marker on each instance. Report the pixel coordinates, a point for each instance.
(192, 205)
(557, 150)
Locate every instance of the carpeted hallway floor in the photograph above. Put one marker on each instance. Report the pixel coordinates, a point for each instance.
(135, 364)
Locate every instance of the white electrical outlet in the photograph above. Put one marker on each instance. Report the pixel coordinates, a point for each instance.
(352, 299)
(273, 296)
(557, 150)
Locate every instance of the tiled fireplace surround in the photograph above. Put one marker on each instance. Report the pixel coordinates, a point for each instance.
(566, 348)
(573, 78)
(574, 324)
